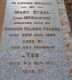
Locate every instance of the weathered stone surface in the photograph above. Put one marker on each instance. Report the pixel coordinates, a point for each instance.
(59, 56)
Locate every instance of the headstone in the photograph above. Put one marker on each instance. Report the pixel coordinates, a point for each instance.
(32, 43)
